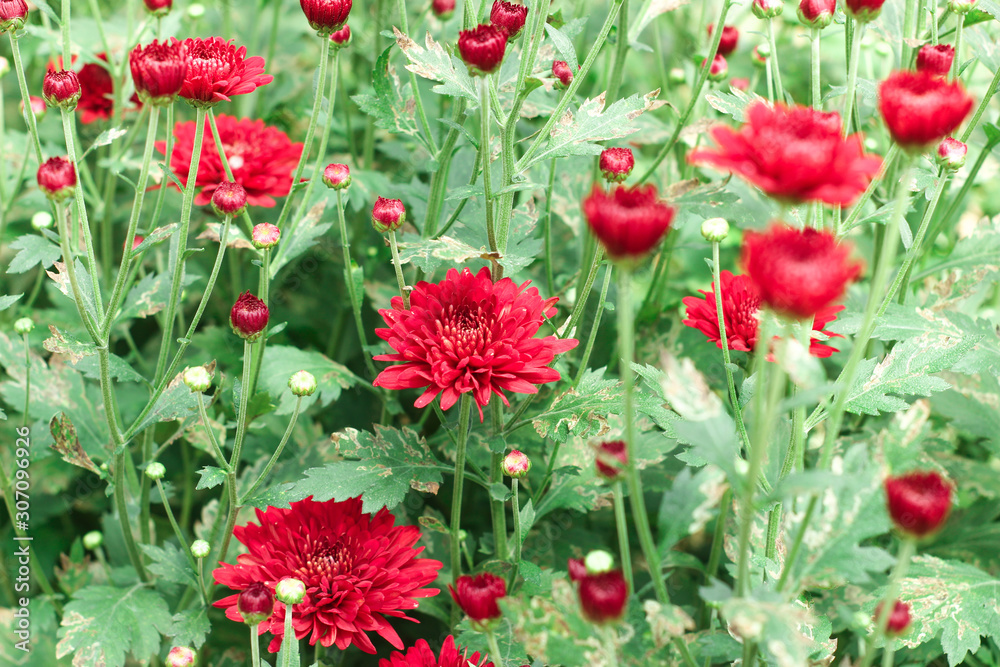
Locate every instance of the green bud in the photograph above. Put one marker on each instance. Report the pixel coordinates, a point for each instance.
(197, 379)
(156, 470)
(200, 548)
(290, 591)
(41, 220)
(715, 230)
(599, 562)
(302, 383)
(93, 540)
(23, 326)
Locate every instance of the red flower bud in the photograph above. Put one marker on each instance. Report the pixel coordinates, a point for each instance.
(577, 569)
(921, 108)
(899, 618)
(728, 41)
(255, 602)
(516, 464)
(798, 272)
(443, 9)
(61, 89)
(629, 222)
(602, 596)
(388, 215)
(326, 16)
(229, 199)
(767, 9)
(158, 7)
(817, 13)
(482, 48)
(13, 14)
(57, 178)
(158, 71)
(561, 71)
(337, 176)
(864, 10)
(265, 235)
(951, 154)
(616, 164)
(342, 37)
(248, 317)
(919, 502)
(739, 83)
(136, 242)
(478, 595)
(719, 69)
(37, 106)
(611, 460)
(508, 17)
(181, 656)
(935, 58)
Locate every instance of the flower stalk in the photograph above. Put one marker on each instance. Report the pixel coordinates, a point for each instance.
(621, 525)
(398, 266)
(464, 418)
(906, 552)
(351, 291)
(277, 453)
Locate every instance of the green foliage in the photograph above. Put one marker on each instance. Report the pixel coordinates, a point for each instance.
(170, 564)
(282, 361)
(33, 250)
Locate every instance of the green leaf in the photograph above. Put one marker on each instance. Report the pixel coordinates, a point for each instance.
(581, 411)
(102, 624)
(427, 255)
(953, 601)
(150, 295)
(564, 45)
(176, 402)
(211, 477)
(978, 253)
(734, 104)
(67, 444)
(169, 563)
(276, 496)
(190, 628)
(8, 301)
(281, 361)
(302, 237)
(33, 249)
(787, 634)
(714, 441)
(83, 356)
(388, 106)
(433, 62)
(155, 237)
(383, 467)
(688, 505)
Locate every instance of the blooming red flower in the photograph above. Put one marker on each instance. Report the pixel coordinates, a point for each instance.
(478, 595)
(864, 10)
(262, 158)
(97, 92)
(57, 178)
(61, 88)
(421, 655)
(798, 272)
(359, 571)
(935, 58)
(509, 17)
(611, 460)
(794, 154)
(469, 334)
(730, 38)
(817, 13)
(249, 316)
(326, 16)
(482, 48)
(921, 108)
(629, 222)
(740, 305)
(918, 502)
(158, 70)
(616, 164)
(899, 618)
(217, 70)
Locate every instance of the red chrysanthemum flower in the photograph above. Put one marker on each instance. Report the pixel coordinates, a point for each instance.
(935, 58)
(729, 39)
(918, 502)
(921, 108)
(262, 159)
(794, 154)
(421, 655)
(798, 272)
(158, 70)
(482, 48)
(97, 92)
(629, 222)
(359, 570)
(217, 70)
(469, 334)
(740, 304)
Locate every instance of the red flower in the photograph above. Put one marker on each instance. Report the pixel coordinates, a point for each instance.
(561, 71)
(817, 13)
(629, 221)
(611, 460)
(255, 603)
(97, 92)
(158, 7)
(478, 595)
(509, 17)
(248, 317)
(218, 70)
(158, 70)
(899, 618)
(730, 38)
(57, 178)
(337, 176)
(482, 48)
(740, 304)
(719, 69)
(951, 154)
(921, 108)
(918, 502)
(616, 164)
(341, 38)
(229, 199)
(864, 10)
(443, 9)
(469, 334)
(388, 215)
(603, 596)
(12, 15)
(358, 570)
(935, 58)
(421, 655)
(262, 159)
(326, 16)
(61, 89)
(793, 154)
(798, 272)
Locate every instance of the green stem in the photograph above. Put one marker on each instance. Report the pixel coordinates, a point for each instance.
(349, 279)
(909, 26)
(180, 534)
(498, 509)
(987, 96)
(491, 640)
(814, 61)
(289, 637)
(773, 59)
(27, 380)
(852, 74)
(398, 266)
(29, 116)
(715, 555)
(81, 212)
(419, 103)
(516, 506)
(956, 64)
(906, 552)
(626, 337)
(277, 452)
(621, 524)
(254, 646)
(484, 150)
(724, 342)
(547, 228)
(439, 180)
(695, 93)
(368, 148)
(621, 52)
(464, 417)
(595, 327)
(220, 457)
(610, 647)
(169, 148)
(241, 418)
(887, 162)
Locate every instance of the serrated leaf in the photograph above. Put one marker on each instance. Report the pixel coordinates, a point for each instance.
(384, 466)
(176, 402)
(281, 361)
(688, 505)
(190, 628)
(210, 477)
(276, 496)
(734, 104)
(67, 444)
(149, 296)
(155, 237)
(787, 633)
(428, 254)
(169, 563)
(564, 45)
(387, 106)
(581, 412)
(8, 301)
(32, 249)
(83, 356)
(302, 237)
(102, 624)
(432, 62)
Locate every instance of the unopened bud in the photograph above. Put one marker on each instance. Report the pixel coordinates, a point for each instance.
(599, 562)
(302, 383)
(197, 379)
(951, 154)
(41, 220)
(715, 230)
(290, 591)
(516, 464)
(23, 326)
(200, 549)
(767, 9)
(93, 540)
(265, 235)
(181, 656)
(156, 470)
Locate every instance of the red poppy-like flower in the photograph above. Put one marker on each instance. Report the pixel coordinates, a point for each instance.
(421, 655)
(611, 459)
(740, 305)
(217, 70)
(249, 316)
(469, 334)
(730, 38)
(793, 154)
(798, 272)
(864, 10)
(616, 164)
(262, 158)
(482, 48)
(918, 502)
(326, 16)
(629, 222)
(899, 618)
(935, 58)
(61, 89)
(478, 595)
(158, 71)
(817, 13)
(921, 108)
(359, 571)
(57, 178)
(509, 17)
